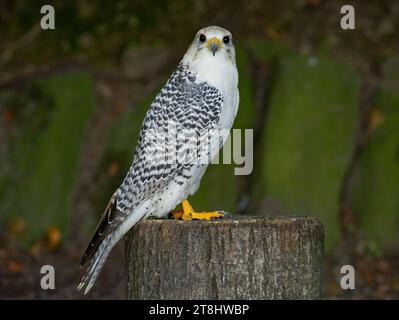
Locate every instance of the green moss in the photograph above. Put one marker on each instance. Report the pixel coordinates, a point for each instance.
(308, 137)
(246, 109)
(375, 191)
(43, 159)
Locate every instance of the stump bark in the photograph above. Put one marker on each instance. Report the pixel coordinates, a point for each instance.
(248, 258)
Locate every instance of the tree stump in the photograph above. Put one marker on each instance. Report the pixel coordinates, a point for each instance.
(245, 258)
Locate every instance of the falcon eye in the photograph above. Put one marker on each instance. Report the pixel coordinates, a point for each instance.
(226, 39)
(202, 38)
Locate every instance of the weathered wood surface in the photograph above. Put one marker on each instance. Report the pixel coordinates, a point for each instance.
(246, 258)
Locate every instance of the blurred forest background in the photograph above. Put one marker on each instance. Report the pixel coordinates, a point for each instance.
(323, 103)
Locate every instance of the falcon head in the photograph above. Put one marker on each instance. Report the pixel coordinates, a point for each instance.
(213, 41)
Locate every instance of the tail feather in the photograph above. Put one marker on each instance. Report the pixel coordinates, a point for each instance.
(96, 254)
(96, 264)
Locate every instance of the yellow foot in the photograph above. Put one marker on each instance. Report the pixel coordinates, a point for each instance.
(188, 213)
(203, 215)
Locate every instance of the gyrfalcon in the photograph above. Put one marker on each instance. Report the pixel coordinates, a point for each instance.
(184, 128)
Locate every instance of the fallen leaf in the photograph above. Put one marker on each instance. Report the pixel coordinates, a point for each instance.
(14, 266)
(53, 237)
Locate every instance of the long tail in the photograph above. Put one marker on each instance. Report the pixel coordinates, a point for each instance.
(112, 227)
(96, 263)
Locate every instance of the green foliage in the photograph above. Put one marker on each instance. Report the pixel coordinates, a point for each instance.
(41, 164)
(309, 135)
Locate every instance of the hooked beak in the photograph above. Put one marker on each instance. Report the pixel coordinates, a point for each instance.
(214, 44)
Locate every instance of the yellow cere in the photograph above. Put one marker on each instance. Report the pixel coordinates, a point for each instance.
(213, 40)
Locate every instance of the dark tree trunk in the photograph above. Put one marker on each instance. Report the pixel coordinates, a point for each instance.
(248, 258)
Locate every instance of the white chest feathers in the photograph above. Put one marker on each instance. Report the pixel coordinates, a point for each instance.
(222, 74)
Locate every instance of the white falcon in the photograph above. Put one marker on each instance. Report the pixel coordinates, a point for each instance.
(200, 97)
